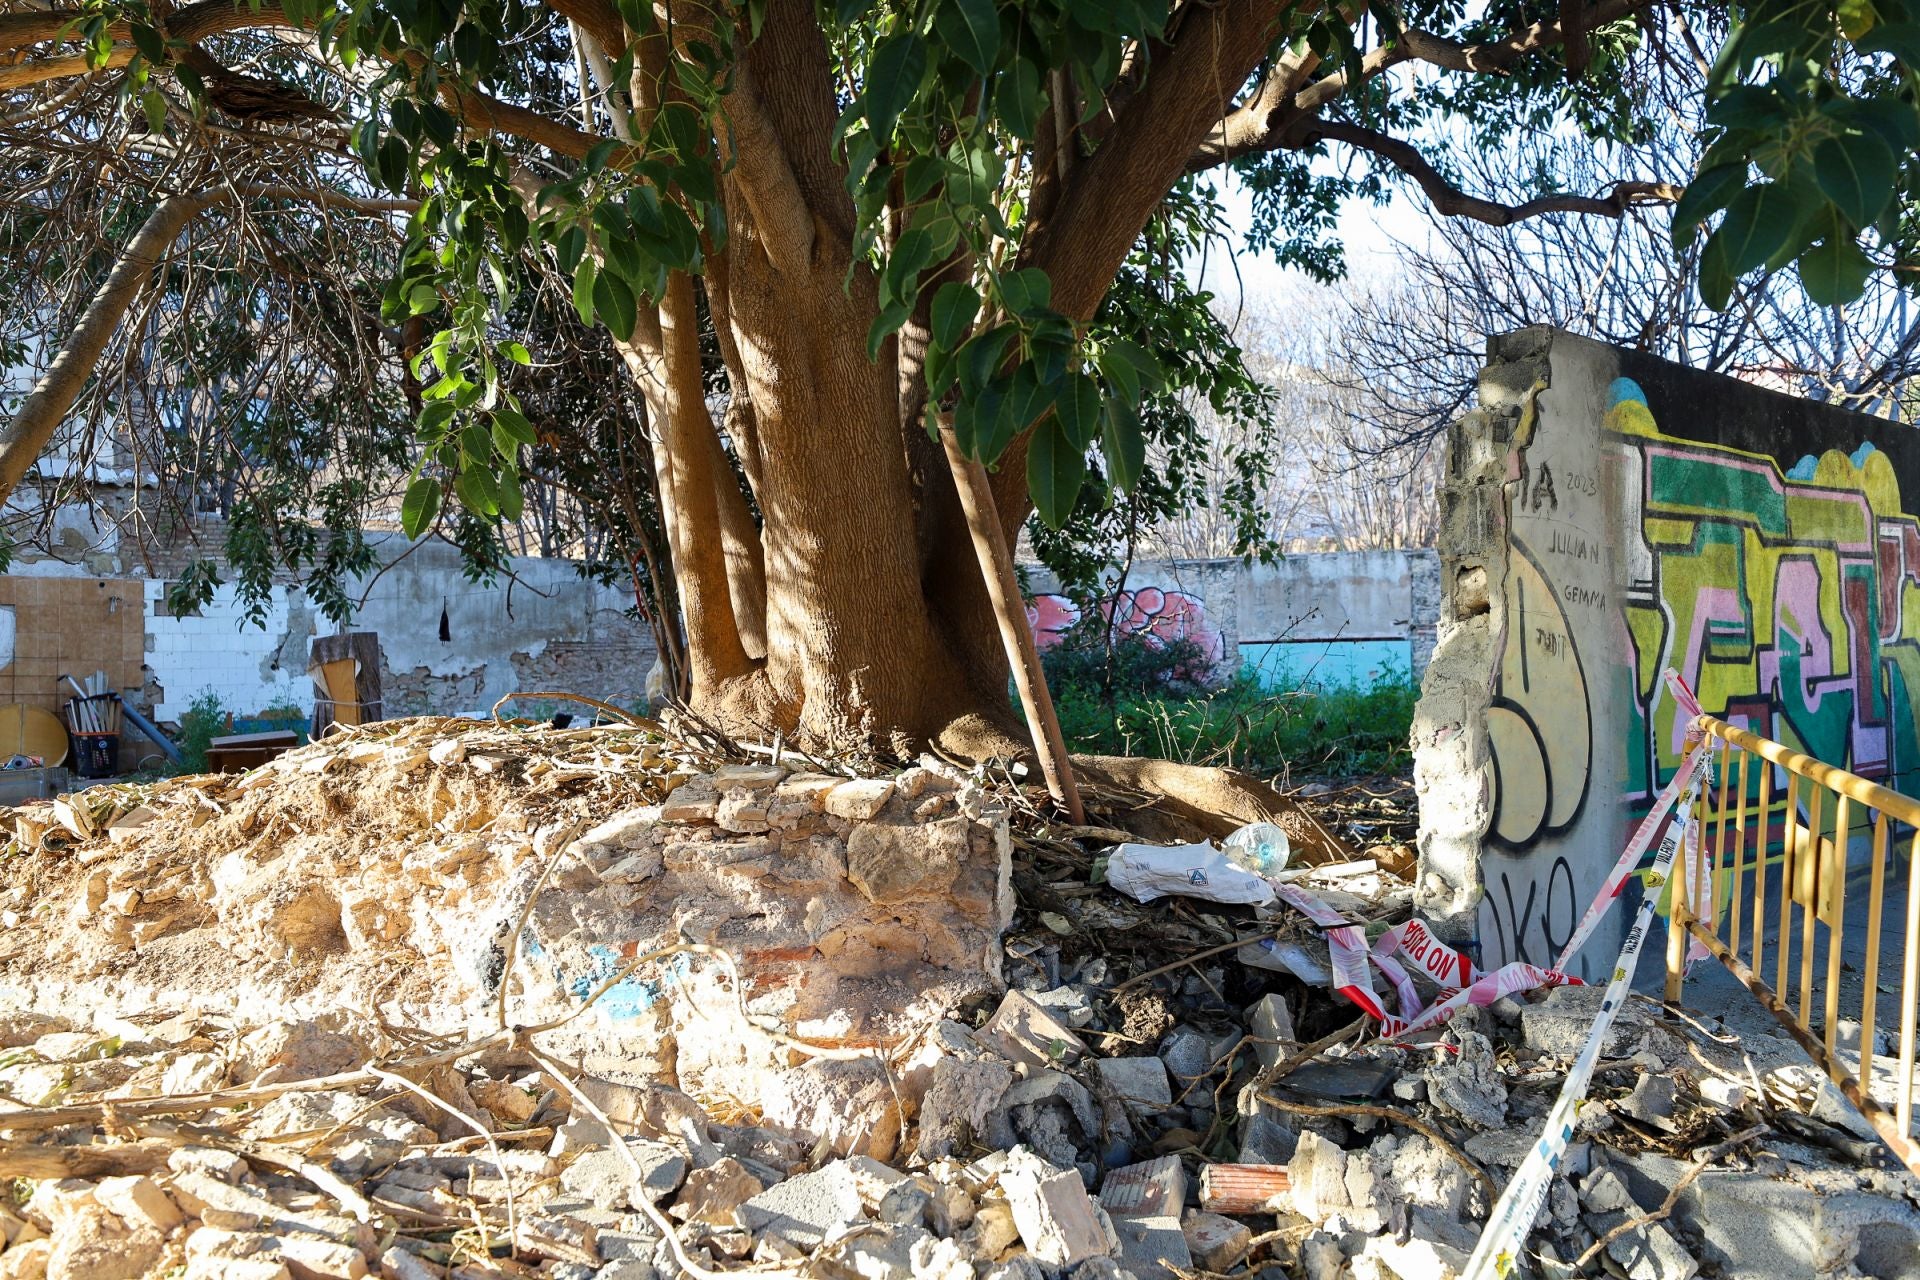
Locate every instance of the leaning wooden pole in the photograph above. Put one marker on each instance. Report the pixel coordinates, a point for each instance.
(996, 567)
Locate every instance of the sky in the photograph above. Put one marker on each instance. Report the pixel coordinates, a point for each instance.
(1369, 230)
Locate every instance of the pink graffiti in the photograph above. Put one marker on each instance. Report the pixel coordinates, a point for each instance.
(1156, 616)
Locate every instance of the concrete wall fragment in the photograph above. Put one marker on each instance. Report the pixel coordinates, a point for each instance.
(1608, 515)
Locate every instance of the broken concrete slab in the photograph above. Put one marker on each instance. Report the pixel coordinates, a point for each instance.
(1152, 1248)
(1022, 1030)
(603, 1177)
(1270, 1022)
(1057, 1219)
(1216, 1242)
(803, 1211)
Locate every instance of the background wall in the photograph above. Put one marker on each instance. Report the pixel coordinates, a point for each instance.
(1331, 618)
(1608, 516)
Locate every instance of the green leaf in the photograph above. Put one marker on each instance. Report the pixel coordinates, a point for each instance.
(893, 76)
(971, 28)
(150, 44)
(613, 300)
(1708, 193)
(421, 299)
(1759, 222)
(1056, 468)
(479, 491)
(1122, 444)
(434, 419)
(515, 424)
(1856, 172)
(1747, 106)
(954, 309)
(1716, 281)
(1026, 291)
(583, 290)
(155, 106)
(1901, 39)
(517, 352)
(1834, 273)
(1019, 99)
(420, 506)
(891, 317)
(979, 359)
(1078, 408)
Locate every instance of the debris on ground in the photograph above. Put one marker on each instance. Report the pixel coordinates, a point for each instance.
(417, 1067)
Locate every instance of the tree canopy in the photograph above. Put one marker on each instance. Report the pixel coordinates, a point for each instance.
(721, 274)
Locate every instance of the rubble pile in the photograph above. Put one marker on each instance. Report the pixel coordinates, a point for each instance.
(669, 1015)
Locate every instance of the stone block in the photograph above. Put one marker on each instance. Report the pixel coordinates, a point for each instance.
(1057, 1219)
(859, 799)
(603, 1177)
(137, 1200)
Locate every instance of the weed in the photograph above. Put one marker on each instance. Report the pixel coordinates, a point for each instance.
(1154, 706)
(204, 720)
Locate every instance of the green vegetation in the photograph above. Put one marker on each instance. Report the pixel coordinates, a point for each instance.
(205, 719)
(1155, 705)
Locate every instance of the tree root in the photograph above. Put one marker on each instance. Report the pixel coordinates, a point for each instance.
(1213, 802)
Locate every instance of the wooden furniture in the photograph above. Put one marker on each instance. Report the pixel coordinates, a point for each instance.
(238, 752)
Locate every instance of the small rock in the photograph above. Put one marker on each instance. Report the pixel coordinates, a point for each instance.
(711, 1195)
(137, 1200)
(949, 1208)
(310, 1258)
(1652, 1252)
(54, 1200)
(881, 1251)
(1605, 1191)
(992, 1231)
(21, 1027)
(1217, 1243)
(1187, 1053)
(1020, 1268)
(1317, 1175)
(1651, 1101)
(194, 1073)
(224, 1165)
(1057, 1220)
(1271, 1023)
(886, 1193)
(1731, 1094)
(26, 1260)
(295, 1051)
(92, 1243)
(1138, 1082)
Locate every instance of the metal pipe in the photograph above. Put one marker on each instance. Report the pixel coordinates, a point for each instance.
(152, 730)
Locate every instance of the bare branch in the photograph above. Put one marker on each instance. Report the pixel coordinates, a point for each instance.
(1455, 203)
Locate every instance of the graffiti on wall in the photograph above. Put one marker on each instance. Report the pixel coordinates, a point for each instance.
(1785, 589)
(1154, 615)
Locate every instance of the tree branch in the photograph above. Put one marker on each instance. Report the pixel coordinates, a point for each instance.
(1262, 123)
(1452, 202)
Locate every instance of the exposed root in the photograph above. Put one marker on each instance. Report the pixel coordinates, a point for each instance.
(1213, 801)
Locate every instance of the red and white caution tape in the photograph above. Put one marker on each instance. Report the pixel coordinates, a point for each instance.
(1461, 983)
(1498, 1253)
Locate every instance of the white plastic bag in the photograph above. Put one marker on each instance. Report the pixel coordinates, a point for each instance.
(1144, 872)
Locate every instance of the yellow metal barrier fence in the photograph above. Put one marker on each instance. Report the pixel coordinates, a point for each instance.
(1772, 808)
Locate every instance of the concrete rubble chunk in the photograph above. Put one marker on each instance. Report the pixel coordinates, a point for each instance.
(878, 1251)
(992, 1231)
(54, 1200)
(1651, 1101)
(711, 1195)
(1317, 1177)
(1651, 1252)
(1188, 1054)
(1020, 1268)
(139, 1199)
(1057, 1219)
(1138, 1082)
(960, 1099)
(804, 1211)
(313, 1259)
(603, 1176)
(1271, 1023)
(1022, 1030)
(1418, 1258)
(224, 1165)
(1153, 1247)
(1153, 1189)
(398, 1264)
(886, 1193)
(1217, 1243)
(1605, 1191)
(27, 1260)
(1468, 1085)
(92, 1243)
(216, 1254)
(950, 1209)
(939, 1260)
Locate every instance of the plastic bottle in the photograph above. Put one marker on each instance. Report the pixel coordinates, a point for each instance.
(1259, 847)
